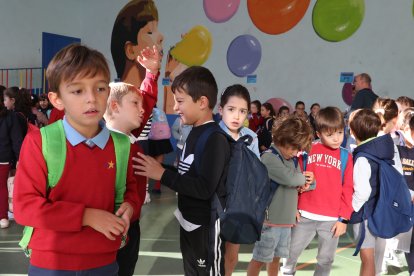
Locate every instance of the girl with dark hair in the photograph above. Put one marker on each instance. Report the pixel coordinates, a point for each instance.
(19, 100)
(313, 112)
(265, 132)
(234, 108)
(255, 120)
(11, 138)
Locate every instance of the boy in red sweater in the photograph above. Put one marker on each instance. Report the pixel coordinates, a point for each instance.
(76, 228)
(326, 209)
(127, 109)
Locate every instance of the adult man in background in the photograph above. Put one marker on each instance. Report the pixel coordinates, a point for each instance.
(364, 97)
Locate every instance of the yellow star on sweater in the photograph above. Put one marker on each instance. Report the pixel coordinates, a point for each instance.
(111, 165)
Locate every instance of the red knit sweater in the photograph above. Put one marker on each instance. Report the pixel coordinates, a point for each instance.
(59, 240)
(141, 182)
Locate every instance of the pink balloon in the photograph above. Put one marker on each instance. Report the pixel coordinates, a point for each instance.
(220, 11)
(347, 93)
(279, 102)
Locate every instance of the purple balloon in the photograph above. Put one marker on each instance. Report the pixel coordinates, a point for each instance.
(243, 55)
(220, 11)
(347, 93)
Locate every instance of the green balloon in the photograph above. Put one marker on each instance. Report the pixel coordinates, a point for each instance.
(336, 20)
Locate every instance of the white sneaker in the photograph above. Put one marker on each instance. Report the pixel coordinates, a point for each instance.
(4, 223)
(147, 198)
(395, 259)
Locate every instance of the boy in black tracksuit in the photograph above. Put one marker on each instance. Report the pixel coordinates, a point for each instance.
(195, 95)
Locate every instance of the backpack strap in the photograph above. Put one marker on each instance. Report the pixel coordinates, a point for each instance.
(273, 184)
(122, 147)
(344, 161)
(201, 144)
(275, 152)
(247, 139)
(361, 234)
(54, 153)
(305, 156)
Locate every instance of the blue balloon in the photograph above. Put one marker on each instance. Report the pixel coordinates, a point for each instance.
(243, 55)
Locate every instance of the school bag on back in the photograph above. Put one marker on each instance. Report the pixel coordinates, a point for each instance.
(159, 126)
(393, 212)
(248, 190)
(54, 153)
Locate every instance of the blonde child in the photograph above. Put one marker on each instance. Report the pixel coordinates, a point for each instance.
(124, 113)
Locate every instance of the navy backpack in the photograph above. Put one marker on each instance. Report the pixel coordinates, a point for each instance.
(393, 212)
(248, 190)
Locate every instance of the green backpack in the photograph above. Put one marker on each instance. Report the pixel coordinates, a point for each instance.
(54, 153)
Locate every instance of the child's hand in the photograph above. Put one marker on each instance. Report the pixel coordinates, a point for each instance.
(303, 188)
(150, 59)
(147, 166)
(104, 222)
(297, 216)
(338, 229)
(125, 212)
(309, 177)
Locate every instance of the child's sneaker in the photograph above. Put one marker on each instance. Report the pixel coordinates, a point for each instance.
(4, 223)
(395, 259)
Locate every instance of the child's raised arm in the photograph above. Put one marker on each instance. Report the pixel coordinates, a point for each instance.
(150, 59)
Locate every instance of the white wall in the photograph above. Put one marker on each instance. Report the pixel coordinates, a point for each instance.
(297, 65)
(22, 23)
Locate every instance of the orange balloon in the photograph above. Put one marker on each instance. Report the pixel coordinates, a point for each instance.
(276, 16)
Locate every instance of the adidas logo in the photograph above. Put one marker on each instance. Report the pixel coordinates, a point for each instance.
(201, 263)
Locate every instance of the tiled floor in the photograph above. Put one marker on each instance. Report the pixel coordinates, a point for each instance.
(160, 252)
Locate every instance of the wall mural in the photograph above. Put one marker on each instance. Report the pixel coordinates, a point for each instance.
(276, 17)
(135, 28)
(337, 20)
(194, 48)
(220, 11)
(244, 55)
(277, 103)
(348, 93)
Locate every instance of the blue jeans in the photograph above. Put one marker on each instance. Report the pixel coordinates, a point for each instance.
(108, 270)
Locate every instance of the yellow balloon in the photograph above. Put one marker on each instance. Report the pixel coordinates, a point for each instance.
(194, 48)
